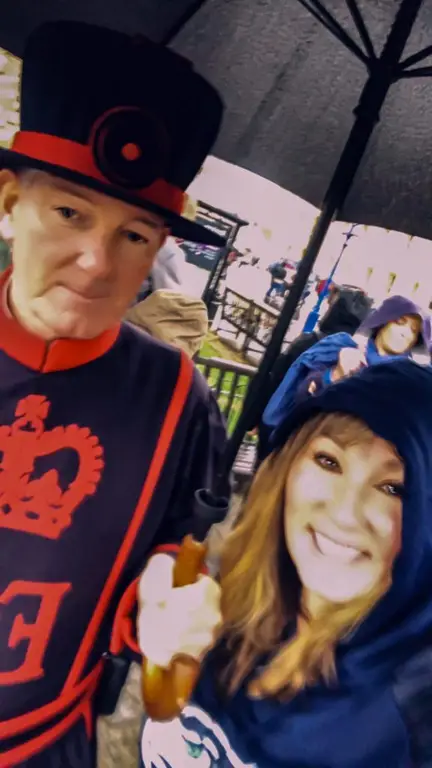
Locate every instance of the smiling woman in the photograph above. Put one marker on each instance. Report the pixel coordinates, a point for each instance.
(325, 549)
(323, 658)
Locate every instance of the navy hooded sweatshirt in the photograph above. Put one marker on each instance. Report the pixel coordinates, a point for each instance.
(379, 714)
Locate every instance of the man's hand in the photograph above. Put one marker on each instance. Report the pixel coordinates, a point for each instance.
(350, 361)
(176, 621)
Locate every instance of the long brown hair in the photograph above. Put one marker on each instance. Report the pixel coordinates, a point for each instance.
(261, 592)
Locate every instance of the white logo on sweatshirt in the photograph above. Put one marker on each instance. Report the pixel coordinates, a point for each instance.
(193, 740)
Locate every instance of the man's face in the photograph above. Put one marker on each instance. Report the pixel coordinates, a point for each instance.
(79, 256)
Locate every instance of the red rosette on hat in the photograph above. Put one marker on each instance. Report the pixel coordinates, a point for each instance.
(130, 147)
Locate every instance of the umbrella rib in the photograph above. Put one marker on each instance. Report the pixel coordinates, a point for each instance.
(190, 12)
(361, 28)
(316, 9)
(416, 57)
(413, 73)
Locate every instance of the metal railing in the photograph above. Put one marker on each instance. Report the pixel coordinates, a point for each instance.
(248, 318)
(229, 381)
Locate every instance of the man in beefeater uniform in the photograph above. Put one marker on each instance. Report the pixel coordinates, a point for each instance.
(105, 434)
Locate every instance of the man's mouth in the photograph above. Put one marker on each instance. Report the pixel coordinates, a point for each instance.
(329, 547)
(86, 294)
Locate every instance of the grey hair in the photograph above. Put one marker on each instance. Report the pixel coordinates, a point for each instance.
(28, 176)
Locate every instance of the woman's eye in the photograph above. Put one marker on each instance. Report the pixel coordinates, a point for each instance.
(67, 213)
(326, 461)
(393, 489)
(134, 237)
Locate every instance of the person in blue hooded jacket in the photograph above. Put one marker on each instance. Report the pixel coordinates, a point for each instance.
(346, 312)
(324, 655)
(395, 330)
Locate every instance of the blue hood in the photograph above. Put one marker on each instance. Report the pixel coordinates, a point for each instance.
(356, 723)
(392, 309)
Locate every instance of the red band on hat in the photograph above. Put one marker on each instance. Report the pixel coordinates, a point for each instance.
(79, 158)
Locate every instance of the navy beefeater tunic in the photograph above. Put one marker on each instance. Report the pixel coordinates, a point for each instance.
(102, 446)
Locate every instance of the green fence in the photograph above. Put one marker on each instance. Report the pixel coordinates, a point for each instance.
(229, 381)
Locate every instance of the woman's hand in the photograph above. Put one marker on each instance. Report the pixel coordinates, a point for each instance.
(172, 621)
(350, 360)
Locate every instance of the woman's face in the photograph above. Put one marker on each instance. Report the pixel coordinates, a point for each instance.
(400, 336)
(343, 516)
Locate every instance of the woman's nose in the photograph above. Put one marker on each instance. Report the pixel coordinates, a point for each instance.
(347, 508)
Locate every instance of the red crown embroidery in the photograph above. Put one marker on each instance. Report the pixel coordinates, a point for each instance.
(40, 506)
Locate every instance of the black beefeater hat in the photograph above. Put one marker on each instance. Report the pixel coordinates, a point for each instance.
(121, 115)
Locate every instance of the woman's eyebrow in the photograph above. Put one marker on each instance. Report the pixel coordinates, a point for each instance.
(333, 439)
(393, 464)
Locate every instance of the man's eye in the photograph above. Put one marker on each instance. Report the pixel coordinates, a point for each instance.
(134, 237)
(67, 213)
(327, 462)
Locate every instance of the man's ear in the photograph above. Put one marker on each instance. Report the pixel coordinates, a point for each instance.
(9, 191)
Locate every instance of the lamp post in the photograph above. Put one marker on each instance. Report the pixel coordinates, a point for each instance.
(314, 314)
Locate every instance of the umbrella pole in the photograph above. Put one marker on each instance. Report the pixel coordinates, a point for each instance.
(219, 266)
(382, 73)
(313, 316)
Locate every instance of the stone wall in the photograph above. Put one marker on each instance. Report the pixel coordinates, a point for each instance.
(10, 69)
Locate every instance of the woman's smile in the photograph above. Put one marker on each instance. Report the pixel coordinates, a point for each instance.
(341, 551)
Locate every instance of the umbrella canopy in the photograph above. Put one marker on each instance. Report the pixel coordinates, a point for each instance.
(291, 85)
(291, 89)
(328, 99)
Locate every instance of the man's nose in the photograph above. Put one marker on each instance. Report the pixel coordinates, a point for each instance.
(94, 256)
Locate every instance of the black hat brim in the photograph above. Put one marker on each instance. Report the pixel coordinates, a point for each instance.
(180, 227)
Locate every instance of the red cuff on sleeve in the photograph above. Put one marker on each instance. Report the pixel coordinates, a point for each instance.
(168, 549)
(123, 632)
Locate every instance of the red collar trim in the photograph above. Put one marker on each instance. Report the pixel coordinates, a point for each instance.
(37, 354)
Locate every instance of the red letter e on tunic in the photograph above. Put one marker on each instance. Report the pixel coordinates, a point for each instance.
(37, 634)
